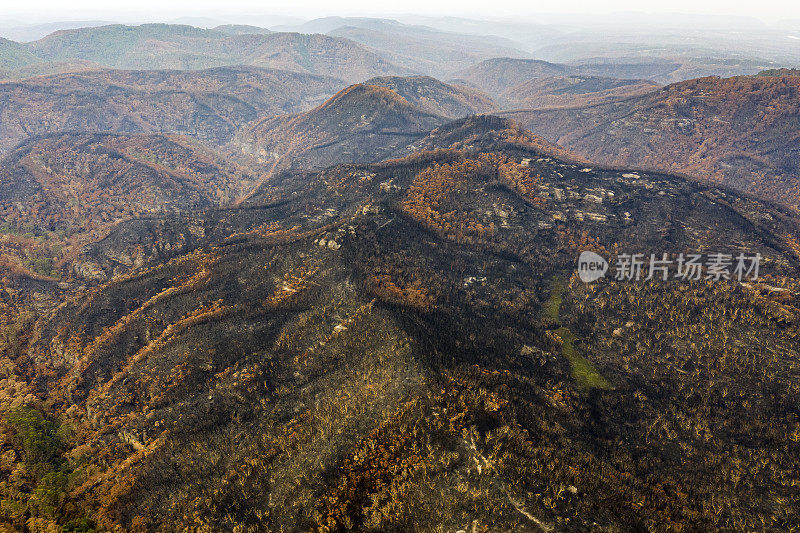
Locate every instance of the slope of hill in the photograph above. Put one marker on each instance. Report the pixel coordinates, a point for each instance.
(209, 104)
(497, 75)
(528, 34)
(500, 75)
(661, 70)
(483, 132)
(46, 68)
(434, 96)
(361, 123)
(316, 54)
(121, 46)
(242, 29)
(404, 346)
(80, 179)
(669, 59)
(60, 191)
(741, 132)
(573, 91)
(527, 83)
(170, 46)
(779, 72)
(14, 55)
(32, 32)
(419, 47)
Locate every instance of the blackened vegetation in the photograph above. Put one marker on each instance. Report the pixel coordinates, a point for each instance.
(378, 347)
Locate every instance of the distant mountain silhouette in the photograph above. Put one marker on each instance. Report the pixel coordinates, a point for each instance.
(171, 46)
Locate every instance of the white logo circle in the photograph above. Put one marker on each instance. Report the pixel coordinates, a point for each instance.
(591, 267)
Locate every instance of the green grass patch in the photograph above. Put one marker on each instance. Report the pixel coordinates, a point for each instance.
(552, 308)
(583, 371)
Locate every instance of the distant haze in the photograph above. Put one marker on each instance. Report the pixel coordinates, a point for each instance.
(256, 12)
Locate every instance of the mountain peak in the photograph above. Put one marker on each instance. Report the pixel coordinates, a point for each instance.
(367, 108)
(362, 94)
(430, 94)
(360, 123)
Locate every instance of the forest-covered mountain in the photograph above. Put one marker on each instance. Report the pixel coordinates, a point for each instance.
(362, 123)
(434, 96)
(62, 191)
(210, 105)
(572, 91)
(14, 55)
(423, 48)
(741, 132)
(497, 75)
(348, 49)
(530, 84)
(171, 46)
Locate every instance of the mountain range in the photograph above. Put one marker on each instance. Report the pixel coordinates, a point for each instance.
(286, 279)
(169, 46)
(208, 104)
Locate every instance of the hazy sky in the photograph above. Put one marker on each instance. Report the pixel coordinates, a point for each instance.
(768, 10)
